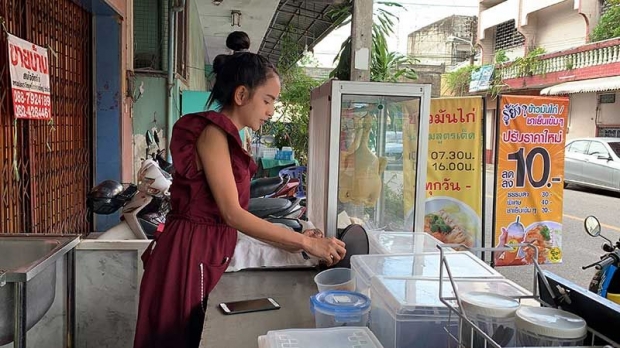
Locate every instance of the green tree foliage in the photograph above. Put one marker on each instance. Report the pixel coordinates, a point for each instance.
(608, 26)
(294, 102)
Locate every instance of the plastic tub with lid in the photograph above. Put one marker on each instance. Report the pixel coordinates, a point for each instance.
(494, 314)
(407, 312)
(342, 337)
(402, 242)
(463, 264)
(335, 308)
(549, 327)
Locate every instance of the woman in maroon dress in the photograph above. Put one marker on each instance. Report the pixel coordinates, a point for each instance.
(210, 194)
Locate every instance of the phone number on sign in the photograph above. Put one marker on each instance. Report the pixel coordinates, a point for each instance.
(28, 111)
(28, 98)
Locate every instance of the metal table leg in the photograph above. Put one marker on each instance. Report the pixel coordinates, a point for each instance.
(20, 315)
(70, 301)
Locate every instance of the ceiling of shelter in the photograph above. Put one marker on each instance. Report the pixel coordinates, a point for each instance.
(265, 22)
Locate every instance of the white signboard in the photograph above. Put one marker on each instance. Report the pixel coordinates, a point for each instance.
(30, 80)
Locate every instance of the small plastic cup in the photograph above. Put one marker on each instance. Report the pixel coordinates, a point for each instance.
(335, 279)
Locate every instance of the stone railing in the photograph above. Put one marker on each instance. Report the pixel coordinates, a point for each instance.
(589, 55)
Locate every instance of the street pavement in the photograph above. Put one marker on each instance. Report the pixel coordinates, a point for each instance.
(579, 249)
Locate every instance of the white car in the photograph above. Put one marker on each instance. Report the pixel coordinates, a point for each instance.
(593, 162)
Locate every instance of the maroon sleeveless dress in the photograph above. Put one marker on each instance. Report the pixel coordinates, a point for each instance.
(187, 260)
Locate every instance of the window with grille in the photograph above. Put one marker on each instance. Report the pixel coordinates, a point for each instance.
(151, 36)
(609, 132)
(148, 33)
(605, 5)
(507, 36)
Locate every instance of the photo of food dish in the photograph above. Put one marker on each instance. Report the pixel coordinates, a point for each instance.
(451, 221)
(545, 236)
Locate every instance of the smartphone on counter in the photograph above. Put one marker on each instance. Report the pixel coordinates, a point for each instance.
(249, 306)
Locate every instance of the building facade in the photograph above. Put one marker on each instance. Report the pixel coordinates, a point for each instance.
(570, 64)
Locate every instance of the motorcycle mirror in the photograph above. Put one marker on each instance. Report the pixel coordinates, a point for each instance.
(149, 138)
(592, 226)
(156, 137)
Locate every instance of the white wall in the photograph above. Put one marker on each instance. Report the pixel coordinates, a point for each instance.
(498, 14)
(490, 122)
(560, 27)
(582, 115)
(609, 114)
(530, 6)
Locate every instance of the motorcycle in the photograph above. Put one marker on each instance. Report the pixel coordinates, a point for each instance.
(273, 187)
(606, 281)
(146, 205)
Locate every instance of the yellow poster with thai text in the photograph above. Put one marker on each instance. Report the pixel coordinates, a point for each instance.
(529, 178)
(454, 189)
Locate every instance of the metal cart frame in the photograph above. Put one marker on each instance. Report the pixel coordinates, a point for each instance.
(449, 302)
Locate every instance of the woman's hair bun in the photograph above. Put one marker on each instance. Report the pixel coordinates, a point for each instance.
(238, 41)
(219, 62)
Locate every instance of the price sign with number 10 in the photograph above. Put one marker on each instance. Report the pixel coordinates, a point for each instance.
(531, 130)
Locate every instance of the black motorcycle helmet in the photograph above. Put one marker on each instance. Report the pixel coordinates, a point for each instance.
(102, 198)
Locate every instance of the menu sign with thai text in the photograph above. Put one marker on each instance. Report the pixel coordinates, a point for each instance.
(529, 169)
(454, 185)
(30, 81)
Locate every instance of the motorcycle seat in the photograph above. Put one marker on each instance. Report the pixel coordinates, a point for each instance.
(265, 186)
(265, 207)
(293, 224)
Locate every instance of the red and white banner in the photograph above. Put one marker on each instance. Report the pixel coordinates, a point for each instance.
(30, 80)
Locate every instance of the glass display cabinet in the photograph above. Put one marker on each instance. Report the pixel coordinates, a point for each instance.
(367, 155)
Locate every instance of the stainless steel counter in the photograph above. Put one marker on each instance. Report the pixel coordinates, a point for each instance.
(290, 288)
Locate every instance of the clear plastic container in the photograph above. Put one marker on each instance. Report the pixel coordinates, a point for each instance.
(463, 264)
(549, 327)
(341, 337)
(494, 314)
(340, 308)
(401, 242)
(407, 312)
(335, 279)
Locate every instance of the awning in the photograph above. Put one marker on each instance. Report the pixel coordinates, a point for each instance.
(585, 86)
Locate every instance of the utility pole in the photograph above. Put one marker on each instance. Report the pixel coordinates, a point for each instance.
(361, 40)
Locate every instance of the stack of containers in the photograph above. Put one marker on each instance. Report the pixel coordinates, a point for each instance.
(342, 337)
(494, 314)
(463, 264)
(549, 327)
(407, 312)
(401, 277)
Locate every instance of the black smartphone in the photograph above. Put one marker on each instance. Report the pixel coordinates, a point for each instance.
(249, 306)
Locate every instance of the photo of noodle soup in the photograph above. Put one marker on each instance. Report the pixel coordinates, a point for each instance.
(451, 221)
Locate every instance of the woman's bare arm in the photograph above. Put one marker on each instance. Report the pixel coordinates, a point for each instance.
(214, 157)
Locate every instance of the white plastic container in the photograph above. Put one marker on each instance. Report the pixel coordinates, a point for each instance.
(340, 308)
(402, 242)
(494, 314)
(549, 327)
(341, 337)
(407, 312)
(335, 279)
(463, 264)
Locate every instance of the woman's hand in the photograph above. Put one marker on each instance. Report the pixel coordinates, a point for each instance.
(330, 250)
